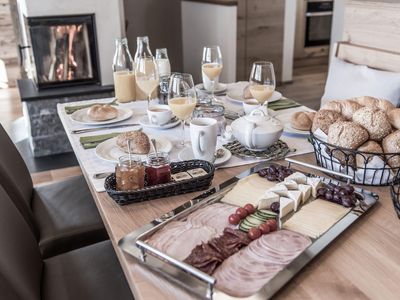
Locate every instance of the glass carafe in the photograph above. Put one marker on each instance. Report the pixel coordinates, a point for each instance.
(142, 48)
(124, 72)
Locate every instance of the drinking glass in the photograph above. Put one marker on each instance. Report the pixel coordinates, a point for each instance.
(147, 77)
(182, 99)
(262, 81)
(211, 65)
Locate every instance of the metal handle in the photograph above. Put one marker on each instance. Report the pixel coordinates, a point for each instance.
(290, 160)
(319, 14)
(183, 266)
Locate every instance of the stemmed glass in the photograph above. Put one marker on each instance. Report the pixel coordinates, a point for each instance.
(147, 77)
(262, 81)
(182, 98)
(211, 65)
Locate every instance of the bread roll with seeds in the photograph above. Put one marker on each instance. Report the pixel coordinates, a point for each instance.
(370, 146)
(324, 119)
(394, 117)
(391, 144)
(374, 121)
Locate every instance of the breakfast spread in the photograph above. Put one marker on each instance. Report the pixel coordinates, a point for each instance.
(259, 227)
(102, 112)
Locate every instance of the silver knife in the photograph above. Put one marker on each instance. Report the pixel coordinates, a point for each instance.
(84, 130)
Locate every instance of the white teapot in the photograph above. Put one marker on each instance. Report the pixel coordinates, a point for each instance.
(257, 131)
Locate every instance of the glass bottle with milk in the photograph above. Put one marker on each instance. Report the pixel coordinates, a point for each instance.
(164, 69)
(124, 72)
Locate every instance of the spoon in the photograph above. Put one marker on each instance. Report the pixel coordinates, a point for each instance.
(153, 141)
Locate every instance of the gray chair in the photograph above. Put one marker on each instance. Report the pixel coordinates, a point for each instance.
(62, 215)
(89, 273)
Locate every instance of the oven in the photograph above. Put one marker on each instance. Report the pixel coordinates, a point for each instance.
(318, 22)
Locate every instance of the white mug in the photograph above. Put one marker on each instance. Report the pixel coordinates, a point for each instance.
(207, 83)
(159, 114)
(203, 134)
(250, 105)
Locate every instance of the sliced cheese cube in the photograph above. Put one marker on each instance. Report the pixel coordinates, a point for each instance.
(279, 189)
(305, 190)
(296, 197)
(300, 178)
(315, 183)
(266, 201)
(286, 205)
(290, 184)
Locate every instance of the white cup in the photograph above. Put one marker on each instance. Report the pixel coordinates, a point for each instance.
(159, 114)
(207, 83)
(250, 105)
(203, 134)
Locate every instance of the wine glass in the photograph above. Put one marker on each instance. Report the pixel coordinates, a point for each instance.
(147, 77)
(211, 65)
(182, 98)
(262, 81)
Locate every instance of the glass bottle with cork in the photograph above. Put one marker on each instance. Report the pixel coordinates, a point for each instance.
(124, 72)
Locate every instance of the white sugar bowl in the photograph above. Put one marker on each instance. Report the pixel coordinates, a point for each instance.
(257, 131)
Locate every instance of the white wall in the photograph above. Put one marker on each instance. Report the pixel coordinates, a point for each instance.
(289, 40)
(209, 24)
(109, 16)
(337, 23)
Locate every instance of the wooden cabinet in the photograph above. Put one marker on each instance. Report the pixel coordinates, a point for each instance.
(260, 27)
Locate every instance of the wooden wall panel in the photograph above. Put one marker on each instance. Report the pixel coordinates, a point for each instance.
(241, 53)
(373, 23)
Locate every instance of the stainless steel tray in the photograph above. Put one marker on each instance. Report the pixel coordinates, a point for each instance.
(203, 284)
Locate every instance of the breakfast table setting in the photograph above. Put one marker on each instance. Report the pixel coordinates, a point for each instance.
(234, 191)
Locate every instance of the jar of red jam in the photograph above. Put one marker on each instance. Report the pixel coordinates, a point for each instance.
(158, 169)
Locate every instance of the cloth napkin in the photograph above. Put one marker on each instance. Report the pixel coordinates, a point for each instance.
(283, 103)
(73, 108)
(90, 142)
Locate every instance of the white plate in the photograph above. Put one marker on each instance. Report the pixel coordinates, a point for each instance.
(237, 96)
(219, 90)
(187, 154)
(287, 127)
(109, 151)
(81, 116)
(144, 121)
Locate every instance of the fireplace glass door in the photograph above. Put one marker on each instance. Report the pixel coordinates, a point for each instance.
(64, 50)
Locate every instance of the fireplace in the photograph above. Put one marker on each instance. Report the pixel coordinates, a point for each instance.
(63, 50)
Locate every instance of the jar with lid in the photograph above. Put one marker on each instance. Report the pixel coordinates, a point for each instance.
(129, 173)
(158, 170)
(212, 111)
(124, 72)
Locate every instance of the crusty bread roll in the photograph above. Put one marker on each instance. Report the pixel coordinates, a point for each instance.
(385, 105)
(100, 112)
(347, 135)
(344, 107)
(325, 118)
(394, 117)
(139, 142)
(366, 101)
(374, 121)
(302, 120)
(391, 144)
(333, 105)
(363, 159)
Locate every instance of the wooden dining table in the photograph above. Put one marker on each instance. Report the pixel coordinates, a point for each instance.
(362, 263)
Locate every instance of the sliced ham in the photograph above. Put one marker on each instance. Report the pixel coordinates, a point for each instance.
(247, 271)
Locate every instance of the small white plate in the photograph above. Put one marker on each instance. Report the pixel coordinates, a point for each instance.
(237, 96)
(221, 88)
(109, 151)
(287, 126)
(187, 154)
(81, 116)
(144, 121)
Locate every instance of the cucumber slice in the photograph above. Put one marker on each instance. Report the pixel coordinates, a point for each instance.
(266, 213)
(254, 220)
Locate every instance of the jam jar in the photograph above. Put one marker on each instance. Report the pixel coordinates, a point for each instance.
(212, 111)
(158, 169)
(129, 173)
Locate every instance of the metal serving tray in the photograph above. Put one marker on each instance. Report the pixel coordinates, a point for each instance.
(203, 284)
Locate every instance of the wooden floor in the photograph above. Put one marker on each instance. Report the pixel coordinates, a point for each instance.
(307, 88)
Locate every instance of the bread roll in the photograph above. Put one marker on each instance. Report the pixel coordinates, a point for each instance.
(391, 144)
(100, 112)
(325, 118)
(139, 142)
(374, 121)
(385, 105)
(349, 107)
(366, 101)
(370, 146)
(333, 105)
(302, 120)
(347, 135)
(394, 117)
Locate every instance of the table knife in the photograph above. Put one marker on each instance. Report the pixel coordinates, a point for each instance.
(84, 130)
